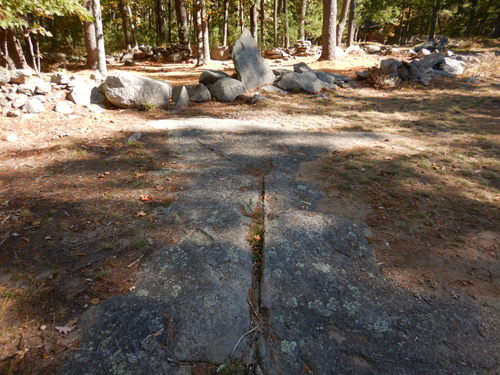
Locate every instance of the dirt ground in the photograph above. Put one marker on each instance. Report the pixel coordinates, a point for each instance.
(76, 195)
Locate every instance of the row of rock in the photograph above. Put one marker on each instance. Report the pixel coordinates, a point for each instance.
(423, 70)
(23, 91)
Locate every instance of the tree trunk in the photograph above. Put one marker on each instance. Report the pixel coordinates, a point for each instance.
(434, 21)
(225, 22)
(329, 37)
(262, 13)
(8, 57)
(205, 31)
(241, 15)
(133, 26)
(182, 21)
(342, 21)
(287, 25)
(29, 43)
(275, 22)
(90, 39)
(169, 9)
(401, 21)
(99, 36)
(302, 19)
(197, 18)
(496, 33)
(253, 20)
(125, 23)
(472, 18)
(160, 21)
(352, 23)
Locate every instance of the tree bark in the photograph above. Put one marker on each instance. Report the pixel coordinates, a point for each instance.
(241, 15)
(472, 18)
(11, 52)
(287, 25)
(125, 23)
(133, 26)
(275, 22)
(169, 9)
(329, 37)
(205, 31)
(351, 24)
(182, 21)
(99, 36)
(342, 21)
(434, 20)
(262, 14)
(302, 19)
(225, 22)
(160, 21)
(253, 20)
(89, 37)
(496, 33)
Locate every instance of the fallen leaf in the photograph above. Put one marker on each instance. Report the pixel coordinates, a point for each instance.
(65, 329)
(36, 223)
(140, 214)
(146, 198)
(46, 356)
(158, 333)
(95, 301)
(138, 175)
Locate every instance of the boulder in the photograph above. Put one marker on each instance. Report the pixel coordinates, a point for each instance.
(64, 107)
(81, 93)
(127, 56)
(423, 52)
(19, 101)
(126, 90)
(4, 76)
(302, 67)
(301, 82)
(227, 89)
(251, 68)
(338, 52)
(54, 57)
(20, 75)
(34, 106)
(390, 65)
(197, 93)
(182, 99)
(415, 72)
(220, 53)
(432, 61)
(60, 78)
(371, 48)
(209, 77)
(453, 66)
(41, 87)
(26, 88)
(273, 90)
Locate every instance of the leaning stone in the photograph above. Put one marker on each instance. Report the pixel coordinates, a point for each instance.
(34, 106)
(432, 61)
(227, 89)
(251, 68)
(301, 82)
(4, 76)
(209, 77)
(182, 99)
(302, 67)
(20, 75)
(126, 90)
(64, 107)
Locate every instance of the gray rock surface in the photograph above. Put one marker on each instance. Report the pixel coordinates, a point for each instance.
(453, 66)
(209, 77)
(64, 107)
(42, 87)
(81, 92)
(60, 78)
(4, 75)
(316, 304)
(126, 90)
(301, 82)
(34, 106)
(227, 89)
(251, 68)
(197, 93)
(182, 99)
(273, 90)
(390, 65)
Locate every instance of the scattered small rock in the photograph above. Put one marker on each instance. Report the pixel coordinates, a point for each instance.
(64, 107)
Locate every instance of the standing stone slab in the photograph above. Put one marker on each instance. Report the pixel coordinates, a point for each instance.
(182, 99)
(251, 68)
(126, 90)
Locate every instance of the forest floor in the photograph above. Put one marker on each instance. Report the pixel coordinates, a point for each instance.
(77, 194)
